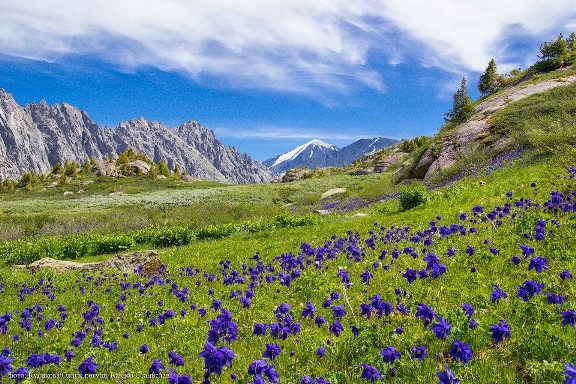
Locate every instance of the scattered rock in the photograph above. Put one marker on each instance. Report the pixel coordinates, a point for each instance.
(425, 162)
(294, 175)
(332, 192)
(360, 214)
(67, 193)
(322, 212)
(87, 182)
(188, 179)
(127, 263)
(388, 161)
(362, 172)
(139, 167)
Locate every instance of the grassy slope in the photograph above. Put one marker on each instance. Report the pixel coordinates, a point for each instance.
(537, 351)
(537, 333)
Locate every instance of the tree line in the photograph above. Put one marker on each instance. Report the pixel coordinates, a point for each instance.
(70, 170)
(553, 55)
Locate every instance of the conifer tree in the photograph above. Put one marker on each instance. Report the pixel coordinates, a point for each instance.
(86, 166)
(490, 80)
(163, 168)
(462, 106)
(554, 49)
(571, 43)
(177, 173)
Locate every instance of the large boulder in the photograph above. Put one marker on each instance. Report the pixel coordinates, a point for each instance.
(148, 261)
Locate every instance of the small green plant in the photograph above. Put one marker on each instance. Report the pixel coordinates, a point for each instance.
(413, 197)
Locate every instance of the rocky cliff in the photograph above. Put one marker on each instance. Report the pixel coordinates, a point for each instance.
(36, 136)
(467, 138)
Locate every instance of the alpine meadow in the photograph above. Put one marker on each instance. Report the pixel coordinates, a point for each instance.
(445, 258)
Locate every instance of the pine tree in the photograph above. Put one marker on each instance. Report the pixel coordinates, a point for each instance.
(554, 49)
(86, 166)
(152, 172)
(571, 43)
(177, 172)
(71, 168)
(163, 168)
(490, 80)
(462, 106)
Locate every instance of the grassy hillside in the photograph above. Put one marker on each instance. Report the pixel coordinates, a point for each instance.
(475, 279)
(251, 275)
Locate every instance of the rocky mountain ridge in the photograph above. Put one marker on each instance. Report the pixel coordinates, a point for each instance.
(317, 153)
(36, 136)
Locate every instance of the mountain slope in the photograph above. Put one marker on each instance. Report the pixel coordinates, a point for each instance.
(37, 136)
(317, 153)
(312, 154)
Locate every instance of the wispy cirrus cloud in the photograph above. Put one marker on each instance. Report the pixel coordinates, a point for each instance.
(288, 133)
(297, 46)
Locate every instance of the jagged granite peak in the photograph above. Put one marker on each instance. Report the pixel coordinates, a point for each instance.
(34, 137)
(159, 142)
(317, 153)
(69, 133)
(21, 142)
(235, 166)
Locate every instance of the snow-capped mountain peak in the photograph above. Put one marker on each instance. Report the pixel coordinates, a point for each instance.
(317, 153)
(293, 154)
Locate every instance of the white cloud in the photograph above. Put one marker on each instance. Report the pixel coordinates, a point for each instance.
(288, 133)
(296, 45)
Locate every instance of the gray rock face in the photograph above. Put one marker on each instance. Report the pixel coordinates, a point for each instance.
(34, 137)
(466, 139)
(21, 142)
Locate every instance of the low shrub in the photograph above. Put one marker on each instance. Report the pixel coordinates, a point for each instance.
(413, 197)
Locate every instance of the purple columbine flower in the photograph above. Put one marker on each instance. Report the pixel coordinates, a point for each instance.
(468, 310)
(538, 264)
(461, 351)
(390, 354)
(497, 294)
(500, 331)
(569, 317)
(418, 353)
(370, 373)
(272, 350)
(570, 373)
(87, 367)
(528, 289)
(447, 377)
(441, 329)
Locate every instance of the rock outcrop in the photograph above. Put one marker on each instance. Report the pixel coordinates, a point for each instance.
(467, 138)
(147, 262)
(37, 136)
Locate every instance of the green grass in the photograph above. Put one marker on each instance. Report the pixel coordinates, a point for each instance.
(537, 351)
(249, 226)
(543, 119)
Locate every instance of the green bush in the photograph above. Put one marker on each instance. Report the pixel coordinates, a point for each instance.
(112, 244)
(163, 236)
(413, 197)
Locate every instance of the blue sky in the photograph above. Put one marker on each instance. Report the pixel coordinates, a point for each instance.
(268, 75)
